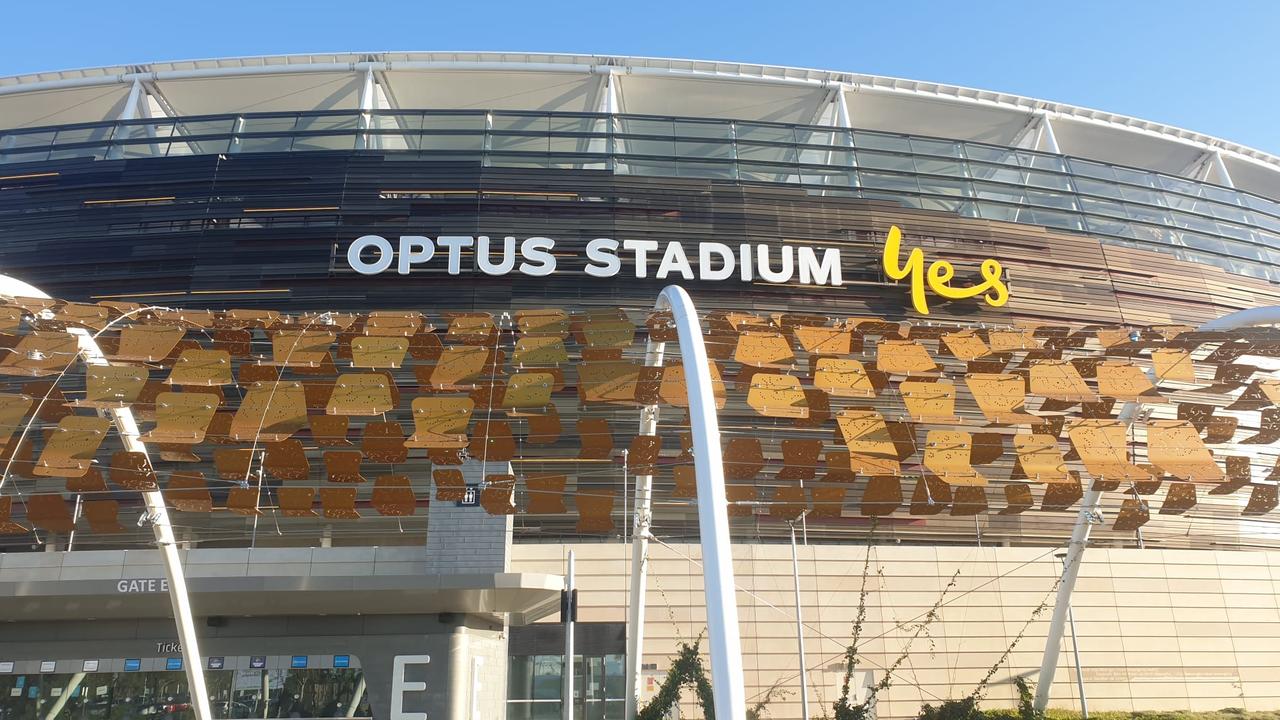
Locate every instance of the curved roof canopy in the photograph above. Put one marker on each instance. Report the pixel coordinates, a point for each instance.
(645, 86)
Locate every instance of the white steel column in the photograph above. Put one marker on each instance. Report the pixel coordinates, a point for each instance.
(795, 579)
(1220, 167)
(367, 95)
(724, 642)
(1086, 518)
(566, 675)
(640, 551)
(156, 511)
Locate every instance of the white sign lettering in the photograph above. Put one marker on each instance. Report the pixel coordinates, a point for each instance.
(400, 686)
(710, 261)
(145, 585)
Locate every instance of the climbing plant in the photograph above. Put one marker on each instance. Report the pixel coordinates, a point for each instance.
(686, 669)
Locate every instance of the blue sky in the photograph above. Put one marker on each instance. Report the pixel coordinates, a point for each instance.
(1212, 67)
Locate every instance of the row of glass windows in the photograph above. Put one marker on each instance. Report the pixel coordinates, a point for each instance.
(165, 694)
(1217, 225)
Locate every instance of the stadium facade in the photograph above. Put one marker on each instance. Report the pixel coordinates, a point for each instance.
(387, 323)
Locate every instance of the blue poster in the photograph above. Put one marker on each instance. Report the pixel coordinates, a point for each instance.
(298, 661)
(173, 664)
(342, 661)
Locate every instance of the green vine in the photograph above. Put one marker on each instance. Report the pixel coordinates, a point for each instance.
(687, 669)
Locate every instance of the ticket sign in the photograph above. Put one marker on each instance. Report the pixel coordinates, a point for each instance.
(48, 666)
(217, 663)
(258, 662)
(173, 663)
(132, 665)
(298, 661)
(342, 661)
(6, 666)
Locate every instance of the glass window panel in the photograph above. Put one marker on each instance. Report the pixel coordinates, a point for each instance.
(395, 121)
(905, 200)
(1107, 226)
(1179, 185)
(1091, 169)
(149, 149)
(995, 173)
(647, 146)
(93, 151)
(346, 121)
(453, 141)
(833, 177)
(721, 129)
(1236, 231)
(1220, 194)
(1054, 218)
(1141, 195)
(1243, 250)
(1135, 177)
(100, 133)
(220, 126)
(887, 181)
(941, 204)
(520, 123)
(767, 153)
(1149, 215)
(941, 148)
(1002, 193)
(768, 173)
(942, 186)
(1049, 163)
(519, 143)
(454, 122)
(812, 136)
(1038, 178)
(269, 124)
(821, 156)
(987, 153)
(1045, 198)
(688, 168)
(996, 211)
(282, 143)
(639, 126)
(28, 140)
(1228, 212)
(1095, 187)
(878, 141)
(582, 144)
(885, 161)
(764, 133)
(687, 149)
(1194, 222)
(1202, 242)
(659, 168)
(1100, 206)
(570, 124)
(941, 166)
(324, 142)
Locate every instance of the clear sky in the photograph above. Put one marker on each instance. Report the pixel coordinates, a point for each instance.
(1213, 67)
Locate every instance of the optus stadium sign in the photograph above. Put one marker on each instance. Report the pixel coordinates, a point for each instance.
(710, 261)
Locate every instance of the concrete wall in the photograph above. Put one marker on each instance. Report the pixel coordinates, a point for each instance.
(1159, 629)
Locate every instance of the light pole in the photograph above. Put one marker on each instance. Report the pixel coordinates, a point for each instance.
(1075, 647)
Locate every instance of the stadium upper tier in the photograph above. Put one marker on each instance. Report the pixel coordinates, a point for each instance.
(971, 152)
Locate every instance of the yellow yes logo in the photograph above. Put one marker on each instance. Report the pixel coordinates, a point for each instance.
(939, 276)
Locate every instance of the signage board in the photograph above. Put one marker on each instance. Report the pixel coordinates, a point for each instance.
(173, 663)
(777, 263)
(258, 662)
(217, 662)
(132, 665)
(342, 661)
(298, 661)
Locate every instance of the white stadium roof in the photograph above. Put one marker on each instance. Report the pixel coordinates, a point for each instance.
(644, 86)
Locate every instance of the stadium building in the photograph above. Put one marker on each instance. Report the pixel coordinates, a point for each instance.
(323, 371)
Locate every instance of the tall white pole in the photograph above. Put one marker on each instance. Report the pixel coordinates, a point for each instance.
(724, 641)
(804, 672)
(161, 528)
(1269, 315)
(569, 611)
(640, 552)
